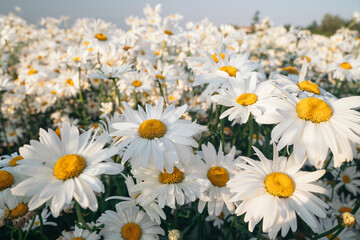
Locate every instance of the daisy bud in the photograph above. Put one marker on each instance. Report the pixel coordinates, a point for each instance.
(347, 219)
(175, 234)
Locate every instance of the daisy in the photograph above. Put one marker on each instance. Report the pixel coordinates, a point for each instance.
(340, 204)
(346, 68)
(327, 224)
(79, 234)
(135, 82)
(244, 97)
(218, 221)
(152, 209)
(178, 187)
(275, 191)
(129, 224)
(156, 136)
(64, 168)
(349, 178)
(216, 169)
(9, 178)
(107, 72)
(219, 68)
(314, 125)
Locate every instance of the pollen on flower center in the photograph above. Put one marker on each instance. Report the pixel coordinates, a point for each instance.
(152, 128)
(214, 57)
(346, 179)
(314, 109)
(32, 71)
(20, 210)
(246, 99)
(69, 82)
(131, 231)
(13, 162)
(345, 209)
(171, 178)
(100, 37)
(230, 70)
(69, 166)
(279, 184)
(291, 70)
(168, 32)
(309, 87)
(218, 176)
(345, 65)
(136, 83)
(6, 179)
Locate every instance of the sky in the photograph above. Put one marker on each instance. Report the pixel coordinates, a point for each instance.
(239, 12)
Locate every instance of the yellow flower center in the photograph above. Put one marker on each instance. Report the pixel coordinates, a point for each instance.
(76, 59)
(307, 58)
(345, 65)
(291, 70)
(69, 82)
(230, 70)
(309, 87)
(168, 32)
(77, 238)
(171, 178)
(69, 166)
(345, 209)
(331, 235)
(279, 184)
(222, 215)
(314, 109)
(20, 210)
(13, 162)
(58, 132)
(358, 149)
(126, 48)
(131, 231)
(246, 99)
(100, 37)
(12, 134)
(6, 180)
(32, 71)
(159, 76)
(136, 83)
(152, 128)
(214, 57)
(346, 179)
(218, 176)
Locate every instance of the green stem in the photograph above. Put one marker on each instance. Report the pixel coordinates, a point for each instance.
(31, 225)
(20, 233)
(222, 121)
(117, 92)
(251, 131)
(80, 217)
(231, 226)
(324, 234)
(41, 225)
(161, 91)
(258, 237)
(337, 233)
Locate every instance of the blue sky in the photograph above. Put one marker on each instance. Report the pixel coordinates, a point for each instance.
(301, 12)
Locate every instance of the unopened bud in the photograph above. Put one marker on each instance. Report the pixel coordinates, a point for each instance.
(347, 219)
(175, 234)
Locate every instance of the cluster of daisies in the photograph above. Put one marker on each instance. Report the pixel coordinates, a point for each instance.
(207, 132)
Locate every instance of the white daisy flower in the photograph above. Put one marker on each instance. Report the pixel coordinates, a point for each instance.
(274, 191)
(346, 68)
(156, 136)
(129, 223)
(349, 178)
(216, 169)
(107, 72)
(79, 234)
(314, 125)
(65, 168)
(243, 96)
(327, 224)
(342, 204)
(152, 209)
(9, 178)
(177, 187)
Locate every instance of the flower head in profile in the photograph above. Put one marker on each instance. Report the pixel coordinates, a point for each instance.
(65, 168)
(156, 136)
(274, 191)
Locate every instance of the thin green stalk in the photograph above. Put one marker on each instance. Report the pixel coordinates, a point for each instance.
(20, 233)
(337, 233)
(161, 91)
(222, 122)
(231, 226)
(41, 225)
(251, 132)
(324, 234)
(258, 237)
(80, 217)
(117, 91)
(31, 225)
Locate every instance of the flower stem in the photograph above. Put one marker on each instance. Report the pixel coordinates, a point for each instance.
(41, 225)
(80, 217)
(231, 226)
(251, 131)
